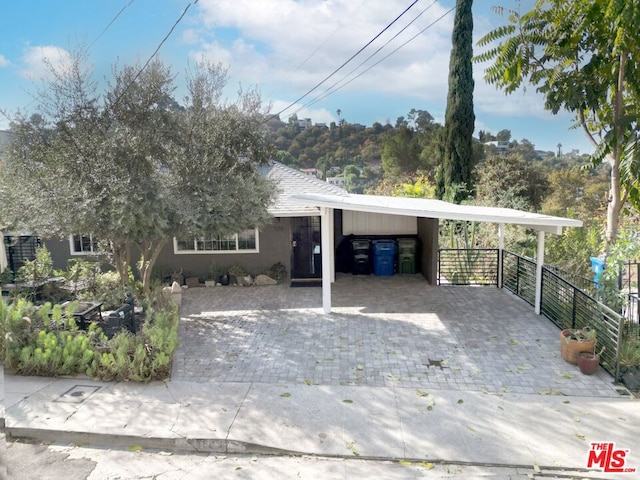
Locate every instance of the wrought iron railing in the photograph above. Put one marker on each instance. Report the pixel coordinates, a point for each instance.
(569, 307)
(519, 276)
(588, 285)
(468, 266)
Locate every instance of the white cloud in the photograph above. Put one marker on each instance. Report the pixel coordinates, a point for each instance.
(39, 61)
(292, 45)
(317, 115)
(3, 61)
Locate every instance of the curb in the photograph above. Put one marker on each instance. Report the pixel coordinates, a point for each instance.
(179, 444)
(223, 446)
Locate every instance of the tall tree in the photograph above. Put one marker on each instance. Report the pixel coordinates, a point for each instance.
(583, 57)
(455, 174)
(133, 168)
(401, 153)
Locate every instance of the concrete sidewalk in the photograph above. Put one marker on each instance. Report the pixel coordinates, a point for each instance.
(549, 431)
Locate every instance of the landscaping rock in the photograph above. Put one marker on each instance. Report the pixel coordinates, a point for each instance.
(265, 280)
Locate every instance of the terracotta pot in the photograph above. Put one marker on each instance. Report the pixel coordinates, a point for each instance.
(588, 362)
(570, 349)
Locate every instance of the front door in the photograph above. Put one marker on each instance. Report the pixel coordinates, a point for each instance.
(306, 260)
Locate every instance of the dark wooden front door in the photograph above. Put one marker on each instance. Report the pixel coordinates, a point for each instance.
(306, 260)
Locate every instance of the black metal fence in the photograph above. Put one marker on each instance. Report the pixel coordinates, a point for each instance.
(569, 307)
(20, 248)
(587, 285)
(519, 276)
(565, 304)
(468, 266)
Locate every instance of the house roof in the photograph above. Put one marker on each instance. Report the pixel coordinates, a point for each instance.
(430, 208)
(293, 182)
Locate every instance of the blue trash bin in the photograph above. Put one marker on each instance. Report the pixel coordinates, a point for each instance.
(384, 256)
(597, 266)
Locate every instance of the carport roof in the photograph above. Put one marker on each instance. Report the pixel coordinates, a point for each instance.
(430, 208)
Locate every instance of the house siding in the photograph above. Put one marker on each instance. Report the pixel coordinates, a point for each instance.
(274, 247)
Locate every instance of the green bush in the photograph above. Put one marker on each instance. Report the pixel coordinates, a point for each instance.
(46, 341)
(37, 270)
(107, 289)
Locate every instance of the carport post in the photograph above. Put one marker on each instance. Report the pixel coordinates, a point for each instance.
(500, 248)
(539, 264)
(326, 233)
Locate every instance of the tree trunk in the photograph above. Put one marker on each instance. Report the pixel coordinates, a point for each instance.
(615, 198)
(121, 260)
(615, 203)
(149, 256)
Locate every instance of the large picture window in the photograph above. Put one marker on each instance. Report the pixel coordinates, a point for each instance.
(243, 242)
(80, 244)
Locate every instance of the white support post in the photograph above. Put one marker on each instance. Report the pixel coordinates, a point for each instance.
(501, 250)
(539, 264)
(326, 230)
(332, 241)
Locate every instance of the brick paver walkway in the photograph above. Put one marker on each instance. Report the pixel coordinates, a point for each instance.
(384, 331)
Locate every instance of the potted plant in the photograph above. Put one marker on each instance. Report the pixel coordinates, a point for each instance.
(576, 340)
(212, 276)
(588, 361)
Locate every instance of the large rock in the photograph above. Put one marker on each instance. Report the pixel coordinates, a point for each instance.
(265, 280)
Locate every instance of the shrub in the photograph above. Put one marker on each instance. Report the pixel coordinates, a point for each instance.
(37, 270)
(107, 289)
(47, 341)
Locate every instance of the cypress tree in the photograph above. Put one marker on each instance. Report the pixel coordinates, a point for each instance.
(455, 173)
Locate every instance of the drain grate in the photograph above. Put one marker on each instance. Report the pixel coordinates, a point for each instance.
(77, 394)
(436, 363)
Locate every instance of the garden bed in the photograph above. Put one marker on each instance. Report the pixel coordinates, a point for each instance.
(46, 340)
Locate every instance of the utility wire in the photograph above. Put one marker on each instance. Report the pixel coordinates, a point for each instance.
(349, 60)
(383, 58)
(155, 52)
(317, 49)
(104, 30)
(110, 23)
(332, 88)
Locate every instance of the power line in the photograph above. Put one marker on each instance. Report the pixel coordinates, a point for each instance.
(332, 88)
(104, 30)
(349, 60)
(382, 59)
(109, 25)
(155, 52)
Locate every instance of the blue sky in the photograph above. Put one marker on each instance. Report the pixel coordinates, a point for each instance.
(282, 47)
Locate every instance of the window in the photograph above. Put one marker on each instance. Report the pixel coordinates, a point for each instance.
(82, 244)
(243, 242)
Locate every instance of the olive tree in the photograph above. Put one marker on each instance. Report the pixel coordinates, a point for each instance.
(134, 167)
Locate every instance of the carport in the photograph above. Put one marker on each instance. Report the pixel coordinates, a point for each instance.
(428, 212)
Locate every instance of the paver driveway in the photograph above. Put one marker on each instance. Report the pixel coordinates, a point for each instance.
(384, 331)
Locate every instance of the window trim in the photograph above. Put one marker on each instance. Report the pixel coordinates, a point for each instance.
(195, 251)
(72, 245)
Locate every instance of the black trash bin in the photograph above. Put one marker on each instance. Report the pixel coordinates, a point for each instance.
(361, 251)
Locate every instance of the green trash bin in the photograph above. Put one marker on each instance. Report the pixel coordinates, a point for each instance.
(406, 255)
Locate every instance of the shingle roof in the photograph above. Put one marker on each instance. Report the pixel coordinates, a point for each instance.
(292, 182)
